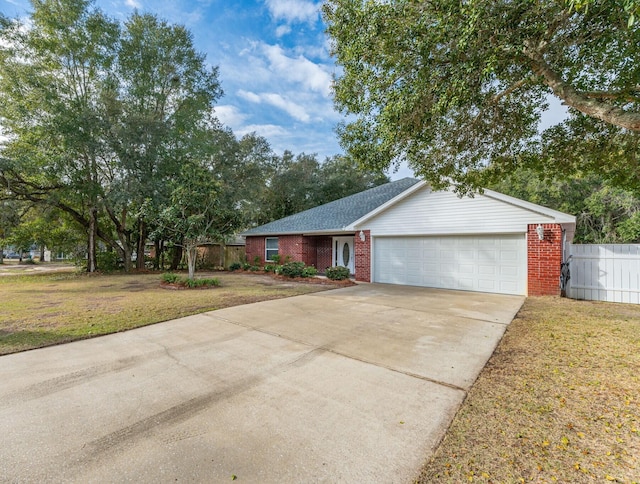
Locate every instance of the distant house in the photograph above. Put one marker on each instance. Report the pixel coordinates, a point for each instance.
(404, 232)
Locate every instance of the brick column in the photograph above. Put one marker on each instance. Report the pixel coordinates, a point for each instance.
(363, 256)
(544, 259)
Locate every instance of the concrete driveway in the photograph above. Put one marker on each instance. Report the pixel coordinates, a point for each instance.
(349, 385)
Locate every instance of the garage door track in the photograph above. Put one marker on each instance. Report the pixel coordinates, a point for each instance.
(350, 385)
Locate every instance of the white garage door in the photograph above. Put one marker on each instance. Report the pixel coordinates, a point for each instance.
(493, 263)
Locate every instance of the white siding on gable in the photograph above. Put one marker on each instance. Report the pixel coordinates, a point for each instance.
(434, 213)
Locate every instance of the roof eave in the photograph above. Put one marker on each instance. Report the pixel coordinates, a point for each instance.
(304, 232)
(557, 216)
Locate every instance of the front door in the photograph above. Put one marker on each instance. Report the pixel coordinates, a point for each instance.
(343, 254)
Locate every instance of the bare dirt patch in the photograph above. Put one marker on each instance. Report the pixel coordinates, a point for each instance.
(559, 401)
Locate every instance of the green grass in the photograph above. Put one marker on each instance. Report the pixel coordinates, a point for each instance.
(41, 310)
(559, 401)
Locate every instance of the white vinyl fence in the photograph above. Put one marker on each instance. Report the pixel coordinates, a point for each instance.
(607, 272)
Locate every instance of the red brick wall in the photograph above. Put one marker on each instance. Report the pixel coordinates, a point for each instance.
(313, 251)
(294, 246)
(254, 246)
(544, 258)
(363, 256)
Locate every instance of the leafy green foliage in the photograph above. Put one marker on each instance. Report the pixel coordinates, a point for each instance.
(337, 273)
(297, 269)
(109, 261)
(455, 87)
(101, 117)
(194, 213)
(301, 182)
(235, 266)
(204, 282)
(170, 277)
(309, 271)
(604, 213)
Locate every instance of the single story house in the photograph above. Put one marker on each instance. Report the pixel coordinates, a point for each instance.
(404, 232)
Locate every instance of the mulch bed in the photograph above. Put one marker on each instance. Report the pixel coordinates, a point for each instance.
(315, 280)
(304, 280)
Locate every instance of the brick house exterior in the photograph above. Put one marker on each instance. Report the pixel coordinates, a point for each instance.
(487, 243)
(314, 251)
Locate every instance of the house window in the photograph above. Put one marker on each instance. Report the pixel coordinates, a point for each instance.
(271, 248)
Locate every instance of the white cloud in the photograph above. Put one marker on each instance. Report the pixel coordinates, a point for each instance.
(283, 30)
(298, 69)
(133, 4)
(250, 96)
(264, 130)
(293, 10)
(291, 108)
(229, 115)
(294, 110)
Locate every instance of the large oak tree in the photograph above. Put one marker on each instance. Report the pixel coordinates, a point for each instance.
(455, 87)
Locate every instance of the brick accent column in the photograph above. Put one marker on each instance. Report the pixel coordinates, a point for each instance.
(363, 256)
(544, 259)
(324, 253)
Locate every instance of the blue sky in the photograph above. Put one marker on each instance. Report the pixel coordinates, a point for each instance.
(275, 67)
(273, 56)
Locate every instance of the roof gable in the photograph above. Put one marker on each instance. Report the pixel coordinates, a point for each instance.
(425, 212)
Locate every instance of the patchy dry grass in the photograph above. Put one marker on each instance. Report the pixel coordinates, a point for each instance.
(41, 310)
(559, 401)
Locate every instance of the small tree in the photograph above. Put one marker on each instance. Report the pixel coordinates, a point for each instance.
(195, 213)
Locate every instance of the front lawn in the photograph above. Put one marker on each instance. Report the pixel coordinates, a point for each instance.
(41, 310)
(559, 401)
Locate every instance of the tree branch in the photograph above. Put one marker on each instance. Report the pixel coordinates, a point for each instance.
(590, 106)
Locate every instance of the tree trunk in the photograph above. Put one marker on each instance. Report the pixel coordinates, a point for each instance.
(192, 257)
(157, 255)
(92, 264)
(41, 253)
(142, 242)
(176, 257)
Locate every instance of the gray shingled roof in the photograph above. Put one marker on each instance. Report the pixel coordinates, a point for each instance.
(336, 215)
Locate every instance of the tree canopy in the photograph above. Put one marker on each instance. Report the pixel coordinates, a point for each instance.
(111, 125)
(457, 89)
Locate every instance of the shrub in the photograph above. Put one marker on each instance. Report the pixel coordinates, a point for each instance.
(337, 273)
(270, 268)
(191, 283)
(108, 261)
(309, 271)
(246, 266)
(170, 277)
(235, 266)
(254, 268)
(292, 269)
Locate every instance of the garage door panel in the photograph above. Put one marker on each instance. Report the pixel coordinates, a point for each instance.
(486, 270)
(477, 263)
(487, 285)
